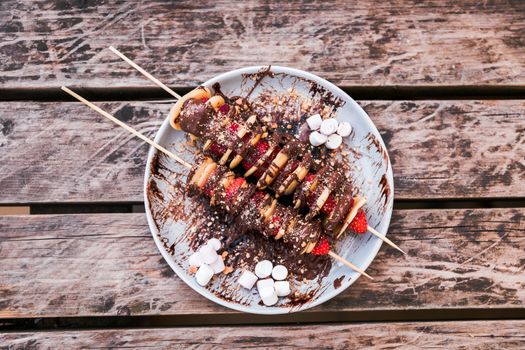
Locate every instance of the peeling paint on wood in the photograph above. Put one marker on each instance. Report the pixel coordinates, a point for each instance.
(438, 149)
(108, 264)
(360, 43)
(439, 335)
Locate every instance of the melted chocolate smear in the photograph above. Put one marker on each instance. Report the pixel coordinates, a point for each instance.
(385, 189)
(337, 281)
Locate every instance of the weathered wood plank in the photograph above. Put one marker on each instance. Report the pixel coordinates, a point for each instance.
(449, 335)
(439, 149)
(361, 43)
(108, 264)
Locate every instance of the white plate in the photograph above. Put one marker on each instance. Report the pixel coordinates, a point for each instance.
(372, 175)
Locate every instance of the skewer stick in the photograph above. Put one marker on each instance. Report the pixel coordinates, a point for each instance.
(146, 74)
(128, 128)
(384, 239)
(178, 159)
(349, 264)
(173, 93)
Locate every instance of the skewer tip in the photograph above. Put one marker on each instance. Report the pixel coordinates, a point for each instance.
(386, 240)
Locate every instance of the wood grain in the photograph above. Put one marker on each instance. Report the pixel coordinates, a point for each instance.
(64, 152)
(449, 335)
(108, 264)
(358, 43)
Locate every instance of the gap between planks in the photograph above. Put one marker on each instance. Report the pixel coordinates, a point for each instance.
(135, 93)
(239, 319)
(138, 207)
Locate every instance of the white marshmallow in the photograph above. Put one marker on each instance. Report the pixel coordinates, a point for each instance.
(334, 141)
(204, 275)
(344, 129)
(279, 272)
(329, 126)
(215, 243)
(317, 139)
(269, 296)
(282, 288)
(271, 299)
(218, 265)
(263, 284)
(263, 268)
(209, 255)
(196, 259)
(314, 122)
(247, 279)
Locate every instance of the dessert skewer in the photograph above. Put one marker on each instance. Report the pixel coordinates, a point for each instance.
(200, 175)
(247, 134)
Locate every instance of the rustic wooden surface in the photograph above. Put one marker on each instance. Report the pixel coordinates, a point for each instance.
(359, 43)
(439, 149)
(107, 264)
(439, 335)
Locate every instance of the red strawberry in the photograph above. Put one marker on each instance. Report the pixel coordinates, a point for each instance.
(359, 224)
(322, 247)
(310, 177)
(234, 127)
(260, 148)
(224, 108)
(258, 196)
(217, 149)
(204, 99)
(329, 205)
(276, 221)
(234, 187)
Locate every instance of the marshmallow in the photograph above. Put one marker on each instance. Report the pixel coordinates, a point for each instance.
(263, 268)
(269, 296)
(215, 243)
(279, 272)
(329, 126)
(314, 122)
(196, 259)
(218, 265)
(209, 255)
(317, 139)
(247, 279)
(204, 275)
(282, 288)
(263, 284)
(334, 141)
(344, 129)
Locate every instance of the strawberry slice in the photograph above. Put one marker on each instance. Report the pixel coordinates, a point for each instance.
(276, 221)
(204, 99)
(234, 187)
(322, 247)
(258, 196)
(217, 150)
(359, 224)
(329, 205)
(233, 127)
(310, 177)
(225, 108)
(260, 148)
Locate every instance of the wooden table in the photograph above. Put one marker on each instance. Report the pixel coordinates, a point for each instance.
(443, 82)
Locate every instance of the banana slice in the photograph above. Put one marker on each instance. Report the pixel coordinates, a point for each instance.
(300, 173)
(198, 93)
(216, 101)
(273, 170)
(321, 200)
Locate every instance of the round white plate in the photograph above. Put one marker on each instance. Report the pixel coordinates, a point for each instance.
(168, 209)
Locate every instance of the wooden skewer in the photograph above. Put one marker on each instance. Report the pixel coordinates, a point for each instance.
(177, 158)
(128, 128)
(146, 74)
(384, 239)
(349, 264)
(173, 93)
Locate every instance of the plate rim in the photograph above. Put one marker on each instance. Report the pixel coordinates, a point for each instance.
(189, 280)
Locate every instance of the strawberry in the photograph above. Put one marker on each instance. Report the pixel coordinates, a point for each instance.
(329, 205)
(322, 247)
(276, 221)
(234, 127)
(260, 148)
(217, 149)
(234, 187)
(224, 108)
(258, 196)
(359, 224)
(204, 99)
(310, 177)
